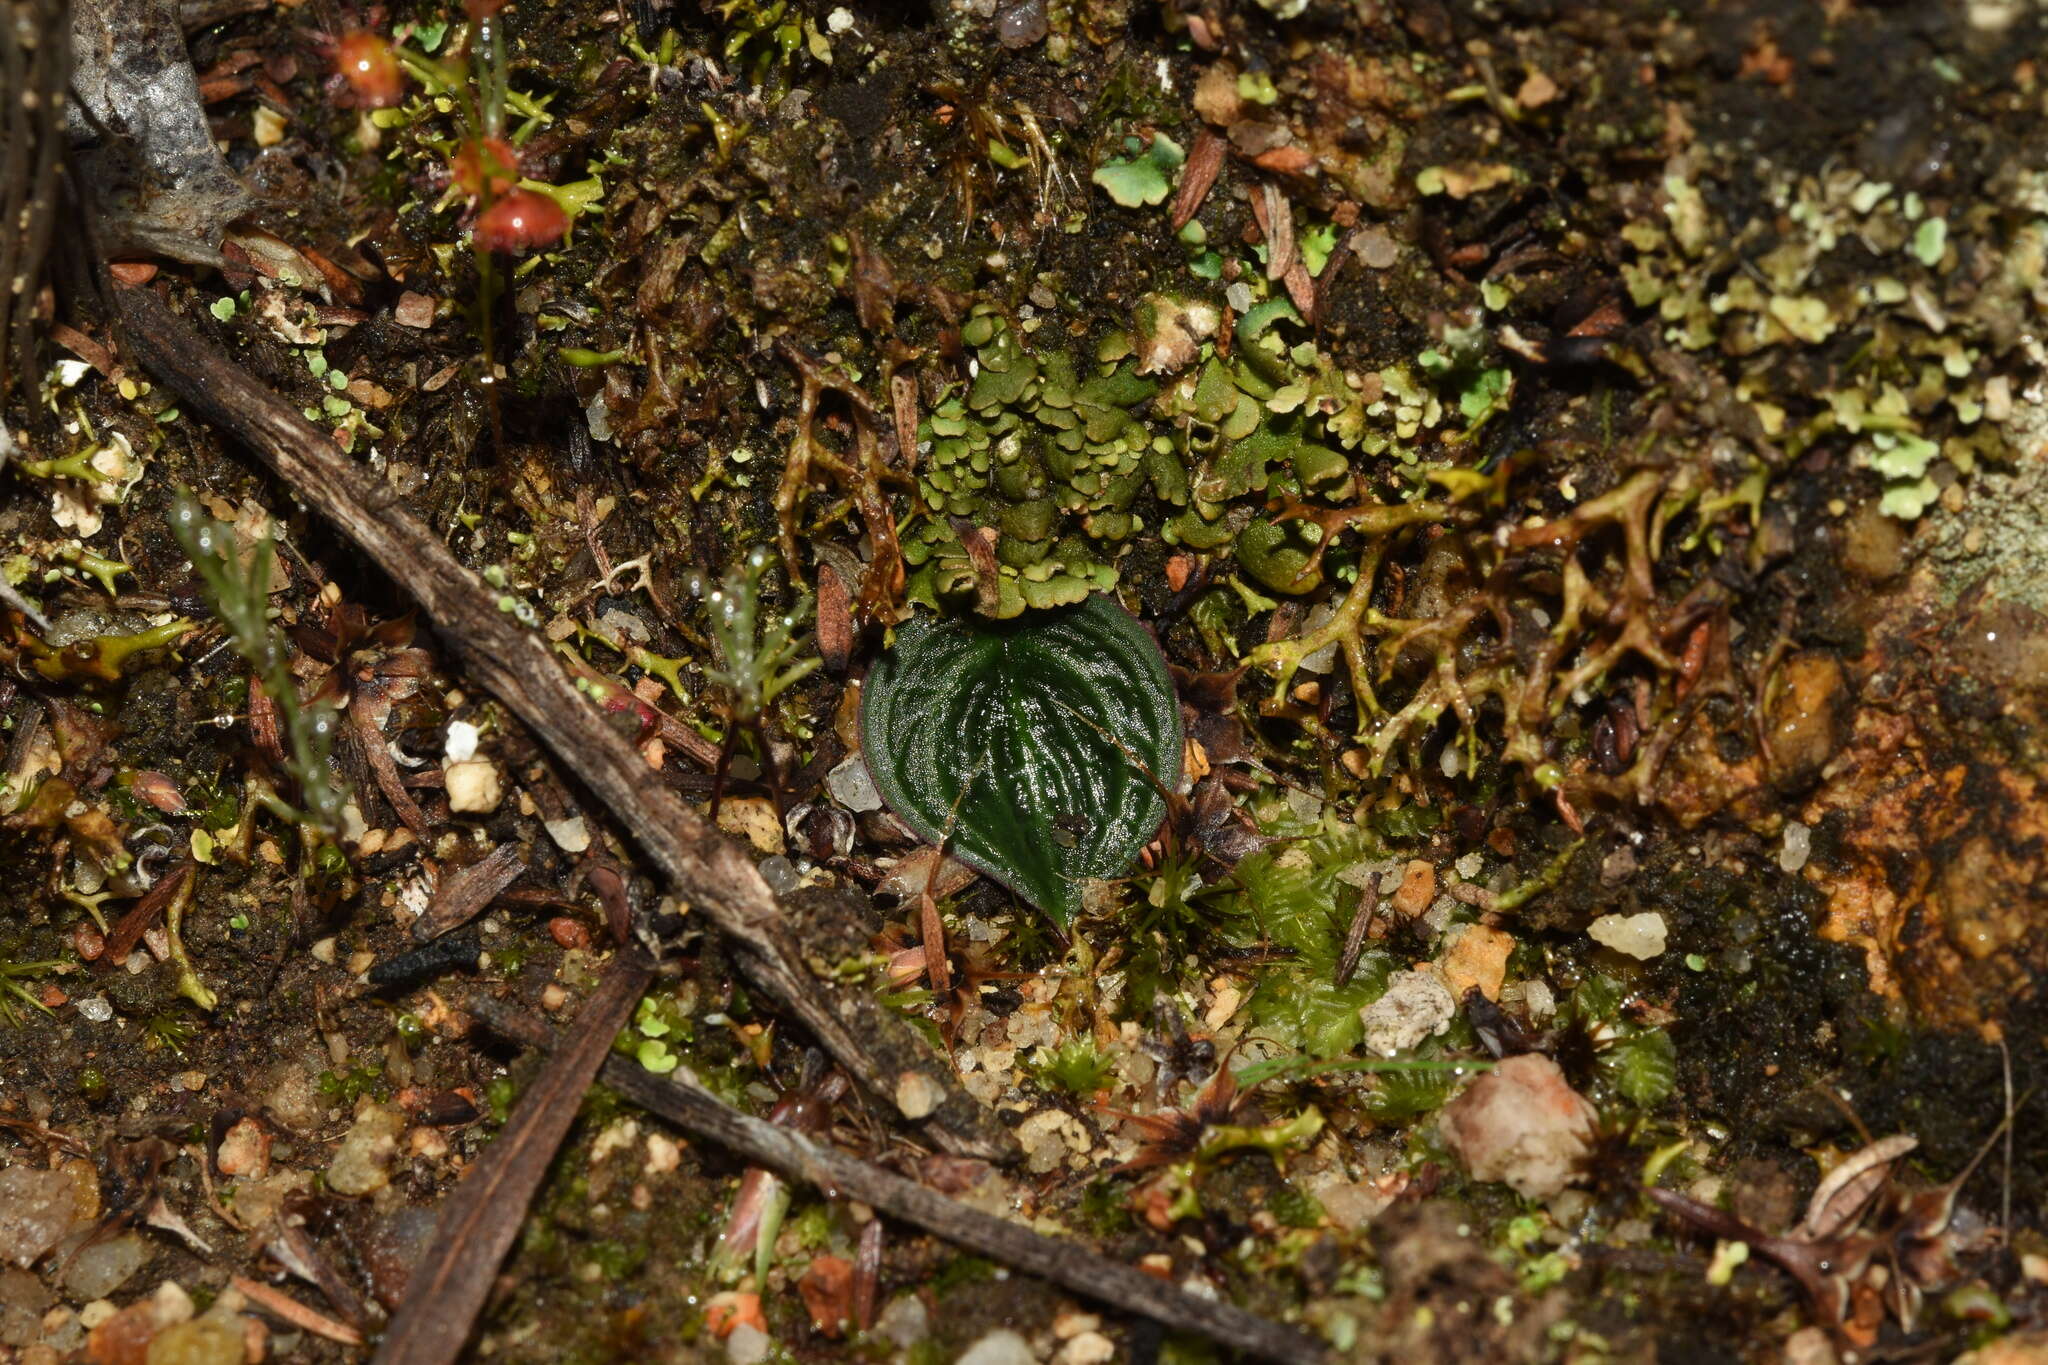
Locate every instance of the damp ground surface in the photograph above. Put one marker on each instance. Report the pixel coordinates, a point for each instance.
(1581, 464)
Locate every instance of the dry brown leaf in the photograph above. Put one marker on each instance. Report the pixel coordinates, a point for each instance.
(1203, 164)
(835, 620)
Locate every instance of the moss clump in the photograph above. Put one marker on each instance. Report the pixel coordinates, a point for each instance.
(1057, 454)
(1052, 462)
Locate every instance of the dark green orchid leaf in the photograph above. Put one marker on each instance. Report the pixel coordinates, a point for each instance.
(1033, 748)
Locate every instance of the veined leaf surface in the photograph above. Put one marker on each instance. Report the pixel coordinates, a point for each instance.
(1018, 744)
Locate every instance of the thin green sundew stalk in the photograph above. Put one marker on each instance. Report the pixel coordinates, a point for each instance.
(487, 306)
(490, 74)
(757, 651)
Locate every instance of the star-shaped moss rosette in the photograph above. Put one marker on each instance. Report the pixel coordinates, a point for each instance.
(1034, 749)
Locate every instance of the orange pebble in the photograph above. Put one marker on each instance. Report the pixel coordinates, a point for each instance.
(728, 1310)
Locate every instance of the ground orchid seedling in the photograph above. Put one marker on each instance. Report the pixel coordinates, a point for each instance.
(759, 659)
(240, 596)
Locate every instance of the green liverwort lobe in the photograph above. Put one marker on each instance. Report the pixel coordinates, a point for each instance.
(1034, 748)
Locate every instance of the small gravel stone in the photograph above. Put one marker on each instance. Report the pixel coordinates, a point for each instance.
(126, 1336)
(1000, 1347)
(23, 1301)
(359, 1166)
(244, 1150)
(36, 1209)
(753, 818)
(101, 1268)
(748, 1345)
(1521, 1124)
(1639, 936)
(1417, 889)
(1376, 248)
(460, 745)
(1810, 1346)
(413, 310)
(1089, 1348)
(917, 1094)
(203, 1341)
(1047, 1137)
(95, 1009)
(780, 874)
(571, 835)
(1535, 997)
(904, 1321)
(287, 1090)
(1416, 1005)
(1358, 874)
(1021, 24)
(1798, 845)
(1352, 1206)
(474, 787)
(853, 787)
(1618, 866)
(1477, 956)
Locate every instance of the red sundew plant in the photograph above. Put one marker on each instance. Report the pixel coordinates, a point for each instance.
(506, 215)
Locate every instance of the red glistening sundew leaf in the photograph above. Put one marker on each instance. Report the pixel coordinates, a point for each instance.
(520, 221)
(370, 67)
(485, 164)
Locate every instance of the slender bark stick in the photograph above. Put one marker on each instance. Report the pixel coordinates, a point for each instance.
(1063, 1263)
(707, 870)
(479, 1221)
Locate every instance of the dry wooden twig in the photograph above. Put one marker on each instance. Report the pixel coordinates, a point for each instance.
(287, 1309)
(705, 869)
(1063, 1263)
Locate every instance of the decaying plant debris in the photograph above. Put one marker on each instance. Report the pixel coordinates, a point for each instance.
(1580, 465)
